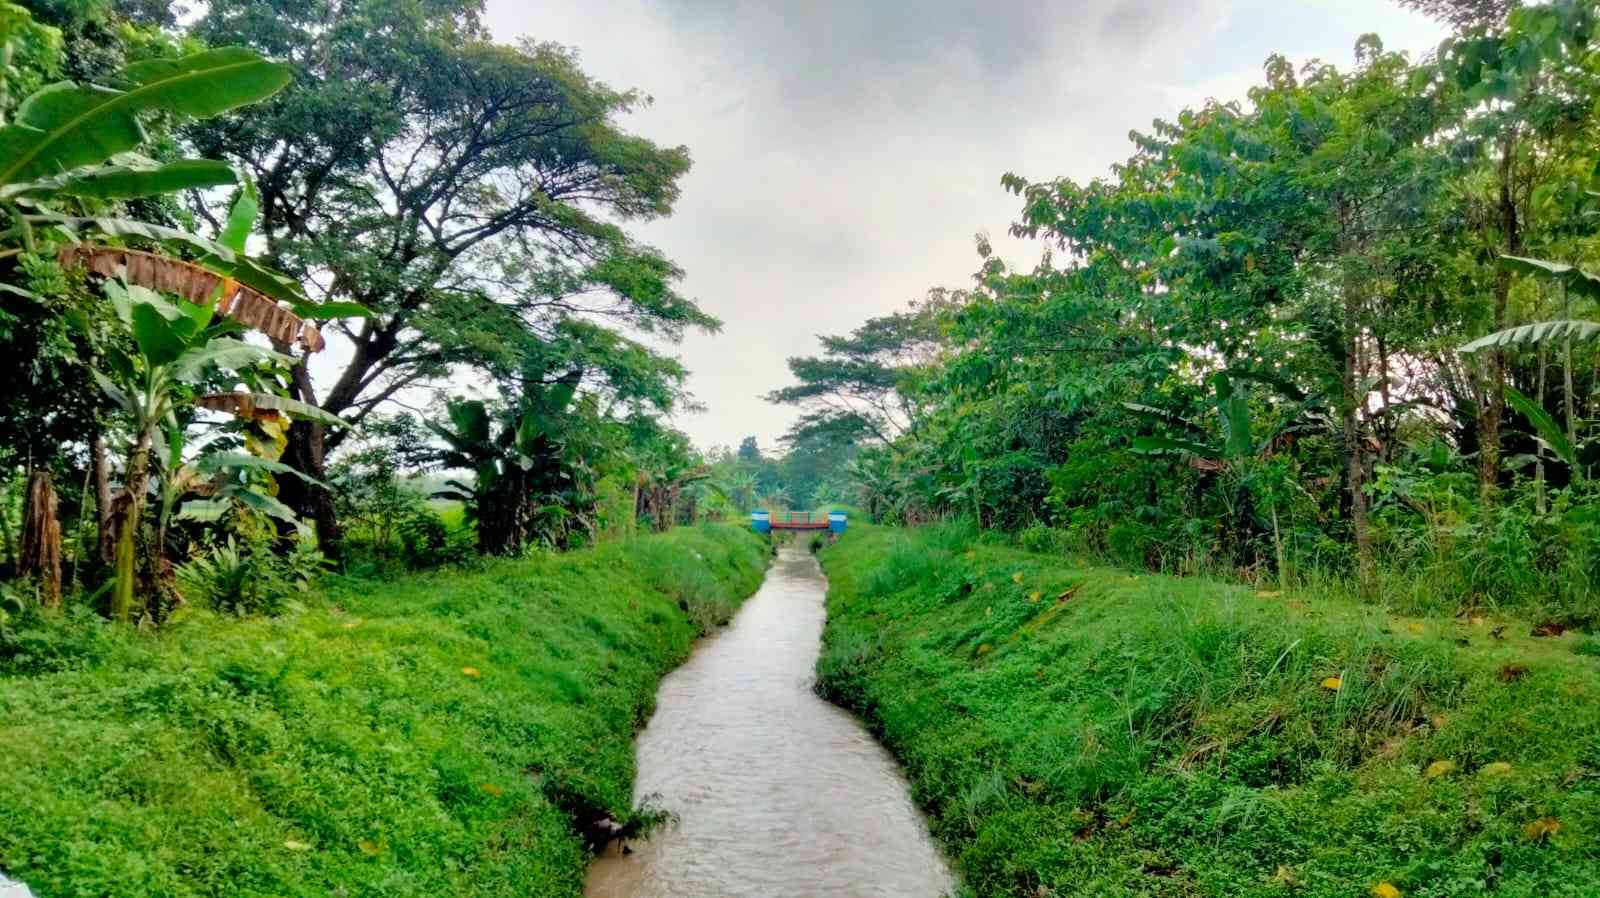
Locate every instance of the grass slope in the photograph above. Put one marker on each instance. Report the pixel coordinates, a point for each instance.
(1085, 731)
(429, 737)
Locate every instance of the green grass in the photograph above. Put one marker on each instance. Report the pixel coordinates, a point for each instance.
(436, 736)
(1087, 731)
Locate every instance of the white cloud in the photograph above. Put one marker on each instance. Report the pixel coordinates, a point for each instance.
(846, 152)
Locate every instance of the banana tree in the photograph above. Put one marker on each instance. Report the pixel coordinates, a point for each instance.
(521, 472)
(73, 141)
(177, 346)
(1574, 282)
(71, 150)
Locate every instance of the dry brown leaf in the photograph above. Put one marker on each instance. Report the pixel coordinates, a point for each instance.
(1511, 673)
(1541, 829)
(198, 285)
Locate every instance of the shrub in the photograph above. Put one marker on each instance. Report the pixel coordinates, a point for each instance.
(249, 578)
(426, 542)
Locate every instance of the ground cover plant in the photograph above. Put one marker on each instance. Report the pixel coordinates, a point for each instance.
(446, 734)
(1084, 730)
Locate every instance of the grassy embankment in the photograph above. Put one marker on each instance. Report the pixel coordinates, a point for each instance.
(433, 736)
(1084, 731)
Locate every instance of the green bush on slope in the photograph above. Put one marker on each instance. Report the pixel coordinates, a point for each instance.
(1084, 731)
(432, 736)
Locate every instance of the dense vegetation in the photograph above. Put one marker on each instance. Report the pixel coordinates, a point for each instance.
(1077, 730)
(444, 735)
(1338, 331)
(192, 207)
(213, 680)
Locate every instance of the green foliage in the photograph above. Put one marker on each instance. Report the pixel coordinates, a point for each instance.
(1083, 730)
(249, 578)
(427, 542)
(1262, 309)
(500, 249)
(426, 736)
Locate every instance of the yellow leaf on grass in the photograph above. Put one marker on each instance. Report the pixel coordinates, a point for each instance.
(1541, 829)
(472, 671)
(985, 649)
(1498, 768)
(1286, 876)
(351, 625)
(492, 789)
(1333, 683)
(369, 847)
(292, 845)
(1017, 577)
(1415, 628)
(1035, 596)
(1385, 890)
(1268, 594)
(1438, 769)
(972, 554)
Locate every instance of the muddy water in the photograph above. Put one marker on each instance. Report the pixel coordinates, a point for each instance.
(778, 793)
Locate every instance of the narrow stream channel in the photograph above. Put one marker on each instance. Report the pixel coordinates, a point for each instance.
(777, 792)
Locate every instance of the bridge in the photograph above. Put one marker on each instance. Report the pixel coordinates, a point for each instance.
(768, 521)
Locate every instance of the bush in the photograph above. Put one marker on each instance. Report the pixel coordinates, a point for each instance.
(249, 578)
(1044, 540)
(426, 542)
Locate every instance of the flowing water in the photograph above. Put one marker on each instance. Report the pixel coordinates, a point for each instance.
(777, 792)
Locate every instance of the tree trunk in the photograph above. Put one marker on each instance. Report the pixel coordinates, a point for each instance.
(127, 512)
(1566, 378)
(307, 453)
(105, 529)
(1540, 504)
(1494, 392)
(1354, 451)
(41, 538)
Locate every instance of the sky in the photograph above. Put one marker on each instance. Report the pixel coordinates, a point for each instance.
(846, 152)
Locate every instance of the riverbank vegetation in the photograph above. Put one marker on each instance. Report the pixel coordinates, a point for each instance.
(1336, 331)
(444, 734)
(198, 210)
(1081, 730)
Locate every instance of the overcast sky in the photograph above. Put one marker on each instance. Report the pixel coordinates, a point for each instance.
(845, 153)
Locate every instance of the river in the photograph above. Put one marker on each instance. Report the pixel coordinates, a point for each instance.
(777, 792)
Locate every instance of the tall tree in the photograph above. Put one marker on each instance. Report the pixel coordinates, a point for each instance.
(450, 185)
(863, 383)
